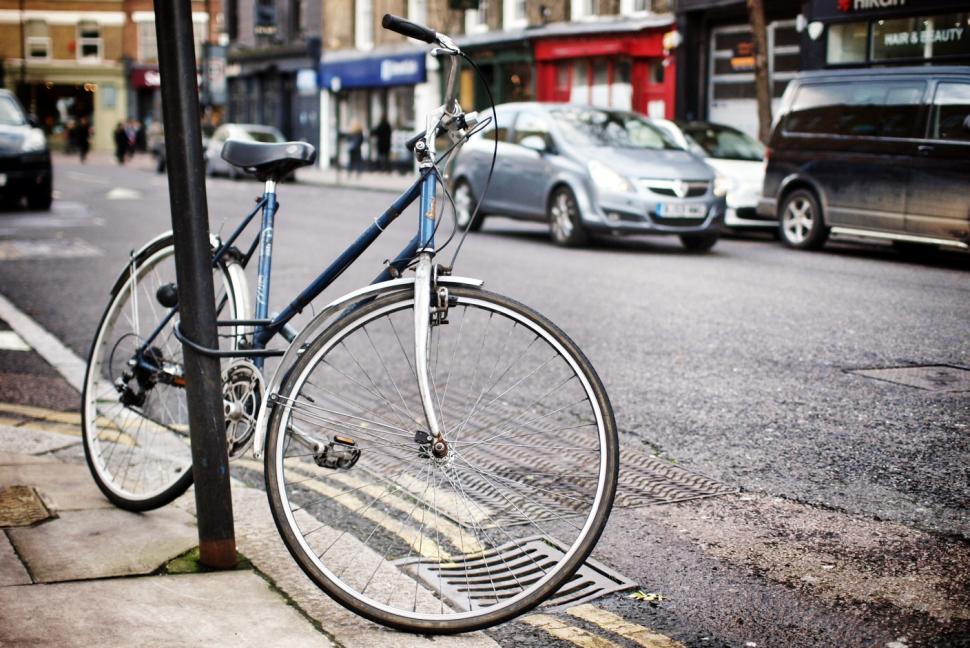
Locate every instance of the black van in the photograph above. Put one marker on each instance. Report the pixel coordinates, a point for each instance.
(880, 153)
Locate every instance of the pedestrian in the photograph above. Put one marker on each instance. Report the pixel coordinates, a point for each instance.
(121, 143)
(355, 147)
(81, 137)
(131, 134)
(382, 133)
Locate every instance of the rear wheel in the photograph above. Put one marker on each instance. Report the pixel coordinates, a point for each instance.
(565, 222)
(800, 224)
(134, 414)
(40, 197)
(437, 539)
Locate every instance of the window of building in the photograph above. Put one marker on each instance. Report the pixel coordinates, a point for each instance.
(628, 7)
(364, 24)
(89, 41)
(515, 14)
(868, 109)
(921, 38)
(295, 18)
(847, 43)
(38, 42)
(580, 9)
(418, 11)
(476, 20)
(951, 112)
(147, 45)
(200, 31)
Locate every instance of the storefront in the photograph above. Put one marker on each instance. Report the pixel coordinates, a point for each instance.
(715, 61)
(866, 33)
(623, 66)
(145, 98)
(358, 88)
(506, 63)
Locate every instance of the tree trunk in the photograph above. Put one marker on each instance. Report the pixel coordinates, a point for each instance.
(762, 84)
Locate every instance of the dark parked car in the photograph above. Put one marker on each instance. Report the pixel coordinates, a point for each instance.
(881, 153)
(584, 169)
(25, 160)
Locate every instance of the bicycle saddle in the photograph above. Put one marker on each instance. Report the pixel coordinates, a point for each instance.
(268, 161)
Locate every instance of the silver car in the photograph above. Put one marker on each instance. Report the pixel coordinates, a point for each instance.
(585, 169)
(215, 165)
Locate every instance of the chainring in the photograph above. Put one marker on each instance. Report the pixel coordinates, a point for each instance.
(242, 394)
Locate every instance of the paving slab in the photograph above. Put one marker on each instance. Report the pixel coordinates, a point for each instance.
(99, 543)
(63, 487)
(258, 539)
(237, 609)
(17, 459)
(12, 571)
(29, 441)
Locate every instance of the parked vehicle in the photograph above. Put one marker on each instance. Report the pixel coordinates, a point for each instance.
(156, 144)
(736, 156)
(25, 159)
(585, 169)
(215, 165)
(879, 153)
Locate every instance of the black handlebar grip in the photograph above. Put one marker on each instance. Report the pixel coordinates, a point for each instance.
(408, 28)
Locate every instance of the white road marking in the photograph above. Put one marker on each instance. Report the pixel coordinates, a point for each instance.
(49, 347)
(16, 249)
(120, 193)
(10, 341)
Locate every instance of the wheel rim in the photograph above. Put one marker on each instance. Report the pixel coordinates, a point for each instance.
(456, 522)
(463, 204)
(138, 451)
(798, 219)
(562, 215)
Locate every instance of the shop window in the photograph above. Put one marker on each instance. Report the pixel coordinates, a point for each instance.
(951, 112)
(517, 82)
(921, 38)
(563, 80)
(621, 91)
(364, 24)
(857, 109)
(847, 43)
(38, 41)
(580, 88)
(600, 91)
(89, 41)
(147, 45)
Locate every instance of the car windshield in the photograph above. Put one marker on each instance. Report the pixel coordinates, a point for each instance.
(263, 136)
(594, 127)
(10, 113)
(725, 143)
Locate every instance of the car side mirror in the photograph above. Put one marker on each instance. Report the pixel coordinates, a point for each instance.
(535, 142)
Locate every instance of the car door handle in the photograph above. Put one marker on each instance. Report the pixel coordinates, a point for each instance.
(925, 149)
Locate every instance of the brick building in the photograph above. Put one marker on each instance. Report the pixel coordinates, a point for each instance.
(68, 59)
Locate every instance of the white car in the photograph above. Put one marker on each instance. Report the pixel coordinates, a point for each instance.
(736, 156)
(215, 165)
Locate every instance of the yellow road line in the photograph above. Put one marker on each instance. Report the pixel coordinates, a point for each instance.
(566, 632)
(610, 622)
(42, 413)
(421, 543)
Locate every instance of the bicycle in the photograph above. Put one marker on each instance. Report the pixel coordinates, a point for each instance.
(437, 458)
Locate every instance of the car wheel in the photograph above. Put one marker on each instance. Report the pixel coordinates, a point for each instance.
(41, 197)
(699, 242)
(565, 226)
(800, 223)
(465, 205)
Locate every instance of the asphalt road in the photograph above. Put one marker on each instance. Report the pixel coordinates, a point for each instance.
(851, 527)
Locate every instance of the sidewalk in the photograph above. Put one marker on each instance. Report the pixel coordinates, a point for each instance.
(76, 571)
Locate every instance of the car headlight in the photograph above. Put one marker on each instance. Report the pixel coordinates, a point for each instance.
(606, 178)
(722, 185)
(34, 141)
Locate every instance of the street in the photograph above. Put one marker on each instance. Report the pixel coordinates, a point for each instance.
(841, 518)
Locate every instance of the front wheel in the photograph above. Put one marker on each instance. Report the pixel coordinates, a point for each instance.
(135, 423)
(565, 222)
(450, 537)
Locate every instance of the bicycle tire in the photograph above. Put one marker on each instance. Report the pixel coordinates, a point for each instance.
(293, 483)
(102, 433)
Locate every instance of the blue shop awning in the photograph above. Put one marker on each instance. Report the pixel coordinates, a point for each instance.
(373, 71)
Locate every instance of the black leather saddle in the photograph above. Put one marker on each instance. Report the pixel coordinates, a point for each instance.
(268, 161)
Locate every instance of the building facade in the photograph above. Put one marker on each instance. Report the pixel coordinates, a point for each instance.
(69, 60)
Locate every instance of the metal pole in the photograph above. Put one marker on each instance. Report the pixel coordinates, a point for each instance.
(193, 268)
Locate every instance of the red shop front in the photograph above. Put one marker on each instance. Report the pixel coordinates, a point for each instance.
(623, 71)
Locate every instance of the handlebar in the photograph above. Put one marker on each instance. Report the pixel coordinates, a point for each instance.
(408, 28)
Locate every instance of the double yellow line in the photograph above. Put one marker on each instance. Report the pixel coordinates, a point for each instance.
(612, 623)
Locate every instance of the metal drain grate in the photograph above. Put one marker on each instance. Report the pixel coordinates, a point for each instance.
(936, 378)
(483, 580)
(21, 506)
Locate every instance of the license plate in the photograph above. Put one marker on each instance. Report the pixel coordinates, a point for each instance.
(680, 210)
(3, 179)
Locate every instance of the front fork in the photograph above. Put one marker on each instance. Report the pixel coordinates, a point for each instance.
(423, 292)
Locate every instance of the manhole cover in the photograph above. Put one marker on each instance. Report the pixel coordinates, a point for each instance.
(937, 378)
(21, 506)
(486, 578)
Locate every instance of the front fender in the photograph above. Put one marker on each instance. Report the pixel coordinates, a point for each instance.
(318, 324)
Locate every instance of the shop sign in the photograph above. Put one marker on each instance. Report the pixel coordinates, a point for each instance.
(921, 37)
(841, 9)
(742, 58)
(408, 69)
(150, 78)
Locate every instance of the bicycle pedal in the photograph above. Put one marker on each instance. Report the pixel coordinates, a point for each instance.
(341, 453)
